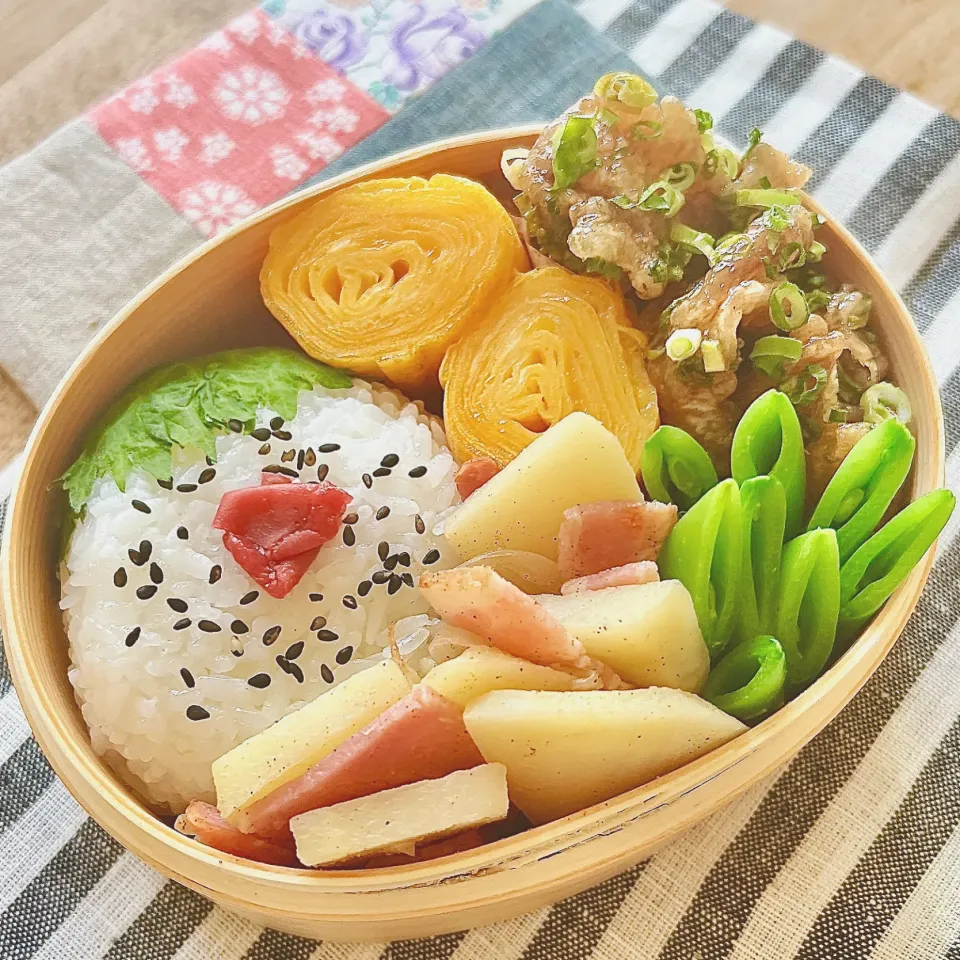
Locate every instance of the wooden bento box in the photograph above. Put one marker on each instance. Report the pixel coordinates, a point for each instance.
(210, 301)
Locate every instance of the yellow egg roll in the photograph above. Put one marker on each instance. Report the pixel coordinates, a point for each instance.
(381, 277)
(555, 342)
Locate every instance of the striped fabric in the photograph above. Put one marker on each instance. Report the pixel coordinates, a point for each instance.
(851, 852)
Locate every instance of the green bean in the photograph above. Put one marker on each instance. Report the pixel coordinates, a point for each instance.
(748, 682)
(704, 553)
(878, 567)
(675, 468)
(768, 440)
(864, 485)
(763, 509)
(809, 604)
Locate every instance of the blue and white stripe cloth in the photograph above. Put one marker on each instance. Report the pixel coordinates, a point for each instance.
(851, 852)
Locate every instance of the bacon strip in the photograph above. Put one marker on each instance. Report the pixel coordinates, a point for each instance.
(203, 821)
(630, 574)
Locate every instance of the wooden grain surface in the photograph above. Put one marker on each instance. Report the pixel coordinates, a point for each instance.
(59, 57)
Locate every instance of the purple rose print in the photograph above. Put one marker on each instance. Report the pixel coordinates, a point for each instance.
(333, 38)
(424, 48)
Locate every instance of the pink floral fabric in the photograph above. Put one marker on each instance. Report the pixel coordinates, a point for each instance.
(236, 123)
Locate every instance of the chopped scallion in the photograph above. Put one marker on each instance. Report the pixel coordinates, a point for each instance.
(680, 175)
(704, 120)
(817, 299)
(816, 252)
(771, 354)
(693, 240)
(574, 151)
(806, 386)
(659, 197)
(729, 240)
(791, 256)
(683, 344)
(788, 307)
(883, 401)
(646, 130)
(766, 198)
(627, 88)
(713, 361)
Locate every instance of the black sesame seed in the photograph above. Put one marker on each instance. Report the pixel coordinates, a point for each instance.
(195, 712)
(316, 597)
(276, 423)
(318, 623)
(328, 447)
(295, 672)
(270, 636)
(383, 513)
(271, 468)
(177, 605)
(287, 472)
(380, 577)
(249, 597)
(260, 680)
(382, 472)
(390, 460)
(283, 434)
(146, 548)
(294, 650)
(403, 559)
(187, 677)
(394, 585)
(418, 524)
(120, 577)
(235, 425)
(288, 455)
(135, 557)
(206, 475)
(238, 626)
(261, 434)
(186, 487)
(283, 663)
(391, 562)
(216, 572)
(236, 647)
(407, 578)
(208, 626)
(210, 461)
(300, 459)
(364, 587)
(156, 574)
(322, 472)
(383, 549)
(350, 602)
(327, 636)
(367, 480)
(183, 533)
(417, 472)
(349, 537)
(351, 518)
(264, 449)
(431, 556)
(182, 624)
(326, 673)
(132, 637)
(140, 505)
(310, 457)
(344, 655)
(167, 484)
(146, 592)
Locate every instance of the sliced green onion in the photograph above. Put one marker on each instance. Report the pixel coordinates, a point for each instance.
(859, 317)
(840, 415)
(752, 140)
(659, 197)
(791, 256)
(704, 120)
(683, 344)
(627, 88)
(669, 266)
(884, 401)
(771, 354)
(766, 198)
(680, 175)
(816, 252)
(693, 240)
(729, 240)
(713, 361)
(655, 353)
(806, 386)
(606, 116)
(788, 307)
(574, 151)
(604, 267)
(817, 299)
(646, 130)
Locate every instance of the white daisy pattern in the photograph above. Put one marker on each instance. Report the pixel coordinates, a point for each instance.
(133, 152)
(251, 95)
(169, 143)
(215, 147)
(336, 120)
(217, 42)
(246, 28)
(330, 90)
(319, 146)
(142, 98)
(178, 93)
(213, 206)
(287, 163)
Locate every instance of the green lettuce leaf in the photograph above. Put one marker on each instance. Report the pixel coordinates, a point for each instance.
(189, 405)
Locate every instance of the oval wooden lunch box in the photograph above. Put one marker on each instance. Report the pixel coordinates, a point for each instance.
(211, 301)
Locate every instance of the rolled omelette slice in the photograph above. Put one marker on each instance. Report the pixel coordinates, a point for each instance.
(555, 342)
(381, 277)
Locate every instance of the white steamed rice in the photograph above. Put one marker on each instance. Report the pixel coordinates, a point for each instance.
(135, 698)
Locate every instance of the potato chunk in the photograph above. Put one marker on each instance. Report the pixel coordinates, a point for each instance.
(403, 816)
(647, 632)
(292, 745)
(576, 461)
(566, 751)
